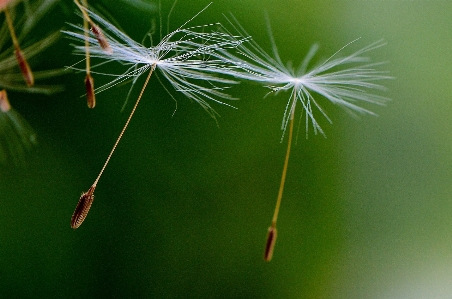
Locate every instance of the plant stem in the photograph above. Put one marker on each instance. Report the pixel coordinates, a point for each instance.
(126, 125)
(272, 232)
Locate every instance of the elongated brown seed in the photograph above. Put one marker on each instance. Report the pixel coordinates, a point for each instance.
(101, 38)
(24, 67)
(270, 244)
(83, 206)
(20, 57)
(4, 103)
(90, 96)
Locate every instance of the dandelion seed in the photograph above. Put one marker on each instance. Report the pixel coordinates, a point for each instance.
(11, 79)
(101, 39)
(22, 61)
(103, 42)
(82, 209)
(344, 81)
(186, 57)
(24, 67)
(90, 96)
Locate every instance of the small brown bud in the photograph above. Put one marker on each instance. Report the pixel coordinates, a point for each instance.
(4, 103)
(101, 38)
(270, 244)
(24, 67)
(90, 96)
(82, 209)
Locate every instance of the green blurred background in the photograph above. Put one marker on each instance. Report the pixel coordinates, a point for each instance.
(183, 208)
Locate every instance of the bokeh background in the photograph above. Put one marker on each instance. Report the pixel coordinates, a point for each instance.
(182, 210)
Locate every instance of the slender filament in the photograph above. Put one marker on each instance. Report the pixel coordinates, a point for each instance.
(271, 237)
(126, 125)
(86, 20)
(9, 21)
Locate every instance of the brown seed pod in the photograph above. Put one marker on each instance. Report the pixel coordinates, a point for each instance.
(270, 244)
(82, 209)
(24, 67)
(90, 96)
(101, 38)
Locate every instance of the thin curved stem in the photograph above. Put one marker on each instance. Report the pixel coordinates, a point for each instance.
(86, 20)
(9, 21)
(125, 126)
(286, 163)
(272, 231)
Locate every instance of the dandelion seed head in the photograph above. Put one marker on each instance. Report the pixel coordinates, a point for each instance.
(346, 81)
(189, 58)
